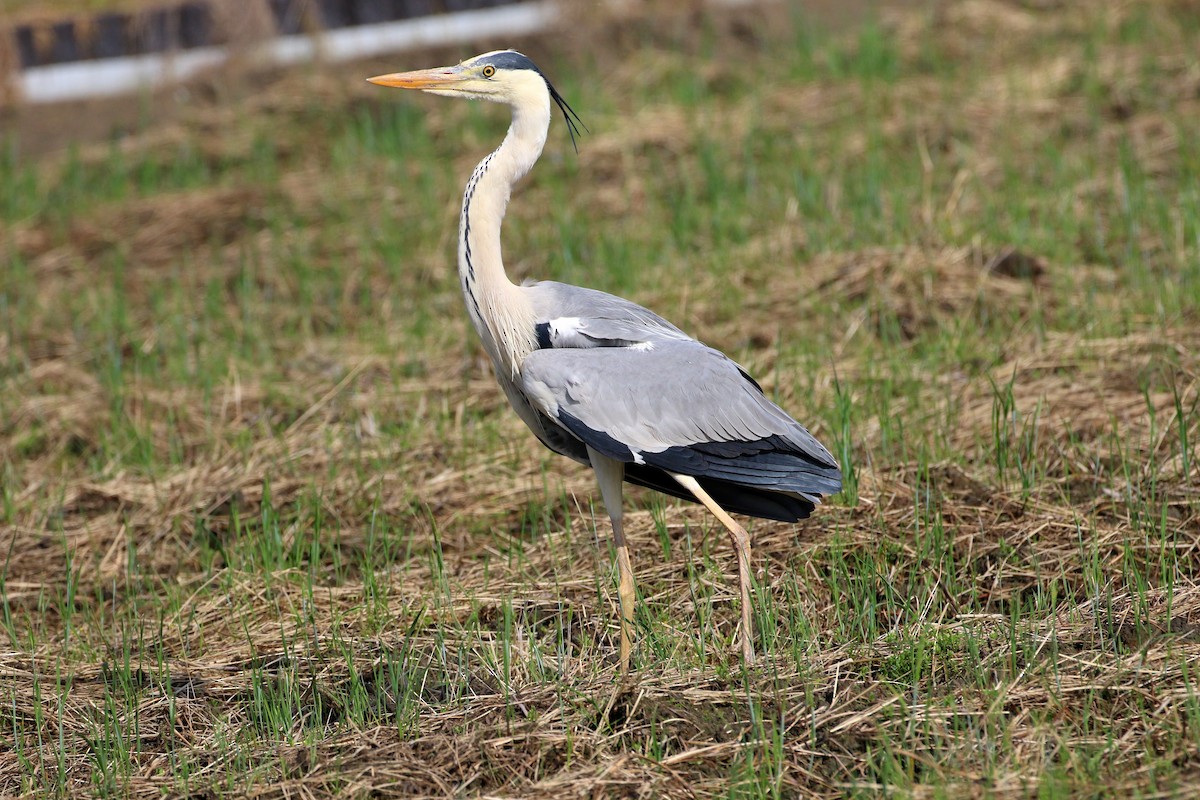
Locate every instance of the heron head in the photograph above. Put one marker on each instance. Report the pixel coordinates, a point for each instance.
(502, 76)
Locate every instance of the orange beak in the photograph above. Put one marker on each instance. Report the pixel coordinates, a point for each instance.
(441, 77)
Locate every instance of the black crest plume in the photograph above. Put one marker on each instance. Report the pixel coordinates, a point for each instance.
(572, 119)
(511, 59)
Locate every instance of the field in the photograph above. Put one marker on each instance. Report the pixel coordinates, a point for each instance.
(268, 527)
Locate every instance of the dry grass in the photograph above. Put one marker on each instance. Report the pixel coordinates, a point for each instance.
(269, 528)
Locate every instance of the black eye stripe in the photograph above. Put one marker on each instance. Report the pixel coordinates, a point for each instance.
(510, 59)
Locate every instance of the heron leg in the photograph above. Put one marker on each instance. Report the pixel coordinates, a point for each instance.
(741, 544)
(610, 473)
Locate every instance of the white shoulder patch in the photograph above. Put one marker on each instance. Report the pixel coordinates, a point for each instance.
(564, 328)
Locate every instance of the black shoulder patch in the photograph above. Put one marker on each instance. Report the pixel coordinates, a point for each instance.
(542, 329)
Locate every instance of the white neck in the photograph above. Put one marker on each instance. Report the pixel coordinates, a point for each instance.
(501, 314)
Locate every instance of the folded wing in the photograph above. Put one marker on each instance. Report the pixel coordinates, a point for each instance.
(676, 405)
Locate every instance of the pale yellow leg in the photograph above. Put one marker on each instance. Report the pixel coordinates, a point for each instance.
(610, 473)
(741, 544)
(628, 595)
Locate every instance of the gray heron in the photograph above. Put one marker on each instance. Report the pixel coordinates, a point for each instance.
(605, 381)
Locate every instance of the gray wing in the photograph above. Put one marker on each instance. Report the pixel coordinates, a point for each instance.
(574, 317)
(671, 403)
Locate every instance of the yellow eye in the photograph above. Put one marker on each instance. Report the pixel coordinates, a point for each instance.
(489, 71)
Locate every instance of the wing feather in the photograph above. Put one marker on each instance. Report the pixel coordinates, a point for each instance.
(575, 317)
(678, 406)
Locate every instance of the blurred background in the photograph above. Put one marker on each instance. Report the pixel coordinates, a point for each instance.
(269, 526)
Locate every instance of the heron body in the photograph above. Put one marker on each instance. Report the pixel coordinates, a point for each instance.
(605, 381)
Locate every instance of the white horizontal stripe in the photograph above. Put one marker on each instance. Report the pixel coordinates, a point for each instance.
(79, 80)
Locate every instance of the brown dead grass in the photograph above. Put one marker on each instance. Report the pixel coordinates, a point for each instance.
(519, 738)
